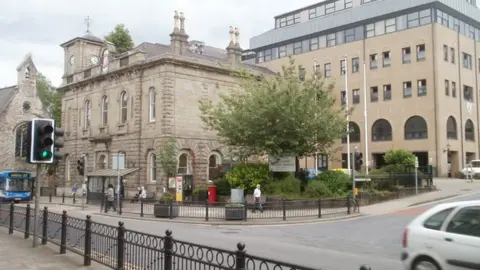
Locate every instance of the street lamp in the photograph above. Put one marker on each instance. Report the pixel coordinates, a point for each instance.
(118, 180)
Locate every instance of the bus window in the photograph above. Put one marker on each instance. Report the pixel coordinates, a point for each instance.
(2, 183)
(18, 185)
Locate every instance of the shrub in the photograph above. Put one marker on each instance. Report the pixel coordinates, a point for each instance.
(337, 182)
(399, 159)
(223, 187)
(247, 176)
(318, 189)
(288, 186)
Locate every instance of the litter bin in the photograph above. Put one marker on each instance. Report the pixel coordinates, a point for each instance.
(212, 194)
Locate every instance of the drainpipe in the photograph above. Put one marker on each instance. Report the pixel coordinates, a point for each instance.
(438, 151)
(460, 97)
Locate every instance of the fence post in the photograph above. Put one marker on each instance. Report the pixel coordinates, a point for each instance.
(27, 222)
(206, 210)
(245, 209)
(168, 242)
(240, 263)
(50, 196)
(120, 245)
(63, 197)
(63, 236)
(349, 205)
(74, 198)
(120, 205)
(44, 226)
(141, 207)
(170, 207)
(12, 213)
(319, 208)
(87, 256)
(284, 208)
(105, 204)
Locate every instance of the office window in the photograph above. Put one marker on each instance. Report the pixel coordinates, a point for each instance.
(407, 89)
(331, 40)
(468, 93)
(373, 61)
(356, 96)
(387, 92)
(355, 64)
(282, 51)
(422, 87)
(387, 59)
(301, 73)
(445, 53)
(297, 48)
(349, 35)
(454, 89)
(322, 41)
(348, 4)
(343, 97)
(343, 66)
(447, 88)
(314, 44)
(412, 20)
(374, 94)
(390, 26)
(421, 52)
(268, 55)
(329, 8)
(327, 70)
(452, 55)
(406, 53)
(370, 30)
(379, 28)
(467, 60)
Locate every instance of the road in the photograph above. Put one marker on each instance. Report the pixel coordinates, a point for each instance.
(339, 245)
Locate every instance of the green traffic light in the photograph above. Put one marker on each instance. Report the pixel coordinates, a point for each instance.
(46, 154)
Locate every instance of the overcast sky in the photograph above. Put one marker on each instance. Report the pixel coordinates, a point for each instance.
(38, 26)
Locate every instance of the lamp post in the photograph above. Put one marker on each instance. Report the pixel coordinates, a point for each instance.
(118, 181)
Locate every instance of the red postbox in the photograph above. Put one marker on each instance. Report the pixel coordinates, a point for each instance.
(212, 194)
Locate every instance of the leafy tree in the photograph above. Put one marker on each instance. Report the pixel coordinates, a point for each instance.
(51, 99)
(279, 115)
(398, 160)
(120, 37)
(168, 157)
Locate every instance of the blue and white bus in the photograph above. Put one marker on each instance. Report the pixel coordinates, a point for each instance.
(16, 186)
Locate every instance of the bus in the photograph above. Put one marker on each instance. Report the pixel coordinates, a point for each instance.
(16, 186)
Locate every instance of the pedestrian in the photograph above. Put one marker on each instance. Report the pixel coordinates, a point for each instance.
(257, 195)
(74, 189)
(143, 194)
(110, 198)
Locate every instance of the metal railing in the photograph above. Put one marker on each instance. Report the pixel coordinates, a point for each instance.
(119, 248)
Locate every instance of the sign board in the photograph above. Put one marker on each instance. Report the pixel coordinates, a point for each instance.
(282, 164)
(179, 194)
(172, 182)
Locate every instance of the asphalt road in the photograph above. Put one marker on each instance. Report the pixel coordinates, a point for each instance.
(339, 245)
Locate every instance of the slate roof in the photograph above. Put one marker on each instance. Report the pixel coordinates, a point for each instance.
(87, 37)
(6, 96)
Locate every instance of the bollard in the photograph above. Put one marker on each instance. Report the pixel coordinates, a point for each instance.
(206, 210)
(284, 209)
(50, 197)
(87, 256)
(74, 198)
(120, 245)
(63, 197)
(63, 235)
(141, 207)
(240, 260)
(27, 222)
(168, 250)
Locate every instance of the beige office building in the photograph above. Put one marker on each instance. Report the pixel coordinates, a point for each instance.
(421, 73)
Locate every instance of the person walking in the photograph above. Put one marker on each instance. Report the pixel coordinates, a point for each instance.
(110, 199)
(257, 195)
(143, 194)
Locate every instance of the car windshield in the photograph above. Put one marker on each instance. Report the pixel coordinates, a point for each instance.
(475, 164)
(18, 185)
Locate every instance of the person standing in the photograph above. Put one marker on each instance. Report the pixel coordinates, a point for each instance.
(257, 195)
(110, 198)
(143, 194)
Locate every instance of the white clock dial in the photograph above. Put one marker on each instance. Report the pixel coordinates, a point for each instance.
(94, 59)
(72, 60)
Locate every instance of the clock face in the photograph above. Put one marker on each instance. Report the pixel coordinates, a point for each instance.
(94, 60)
(72, 60)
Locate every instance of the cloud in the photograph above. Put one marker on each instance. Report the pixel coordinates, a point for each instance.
(40, 26)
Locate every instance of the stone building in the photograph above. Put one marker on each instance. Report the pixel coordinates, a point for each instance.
(120, 108)
(18, 105)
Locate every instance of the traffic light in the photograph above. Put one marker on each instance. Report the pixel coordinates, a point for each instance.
(58, 142)
(81, 166)
(42, 138)
(358, 160)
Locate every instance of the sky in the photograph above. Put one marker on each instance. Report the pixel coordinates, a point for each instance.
(39, 27)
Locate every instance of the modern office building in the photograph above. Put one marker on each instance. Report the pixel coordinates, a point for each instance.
(421, 73)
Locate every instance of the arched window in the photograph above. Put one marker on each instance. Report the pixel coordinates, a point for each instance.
(381, 131)
(104, 110)
(124, 107)
(21, 140)
(152, 167)
(354, 130)
(213, 161)
(67, 168)
(416, 128)
(102, 162)
(151, 104)
(183, 164)
(87, 109)
(27, 72)
(469, 131)
(451, 128)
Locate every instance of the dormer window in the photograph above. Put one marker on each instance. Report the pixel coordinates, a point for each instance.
(27, 73)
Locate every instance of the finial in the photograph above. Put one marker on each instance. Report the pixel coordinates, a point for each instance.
(176, 22)
(88, 23)
(237, 36)
(182, 22)
(232, 36)
(168, 232)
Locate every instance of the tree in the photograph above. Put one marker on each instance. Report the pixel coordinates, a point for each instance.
(120, 37)
(51, 99)
(168, 157)
(283, 115)
(399, 159)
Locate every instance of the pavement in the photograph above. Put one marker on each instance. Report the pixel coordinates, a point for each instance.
(17, 253)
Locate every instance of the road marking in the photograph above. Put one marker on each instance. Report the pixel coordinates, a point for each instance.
(410, 211)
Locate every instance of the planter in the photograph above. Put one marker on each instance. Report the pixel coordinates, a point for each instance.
(236, 195)
(234, 212)
(163, 210)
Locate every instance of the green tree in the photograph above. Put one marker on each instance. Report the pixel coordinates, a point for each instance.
(280, 115)
(399, 159)
(167, 154)
(120, 37)
(51, 99)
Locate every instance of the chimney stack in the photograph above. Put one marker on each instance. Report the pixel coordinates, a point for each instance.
(234, 51)
(179, 38)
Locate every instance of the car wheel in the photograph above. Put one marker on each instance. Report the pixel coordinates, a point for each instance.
(425, 264)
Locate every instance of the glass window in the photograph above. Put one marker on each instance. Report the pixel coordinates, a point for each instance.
(390, 26)
(466, 222)
(124, 107)
(290, 49)
(401, 22)
(320, 10)
(331, 39)
(436, 220)
(425, 17)
(330, 8)
(339, 5)
(297, 48)
(412, 20)
(322, 41)
(306, 45)
(340, 37)
(380, 28)
(370, 30)
(349, 35)
(282, 51)
(359, 33)
(314, 44)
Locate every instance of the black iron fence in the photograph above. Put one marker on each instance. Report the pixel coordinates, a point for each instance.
(282, 209)
(119, 248)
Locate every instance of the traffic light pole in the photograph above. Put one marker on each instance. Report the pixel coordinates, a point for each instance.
(353, 173)
(37, 205)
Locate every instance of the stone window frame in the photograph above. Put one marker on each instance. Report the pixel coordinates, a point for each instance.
(187, 169)
(123, 107)
(218, 161)
(87, 113)
(22, 152)
(152, 167)
(104, 107)
(152, 96)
